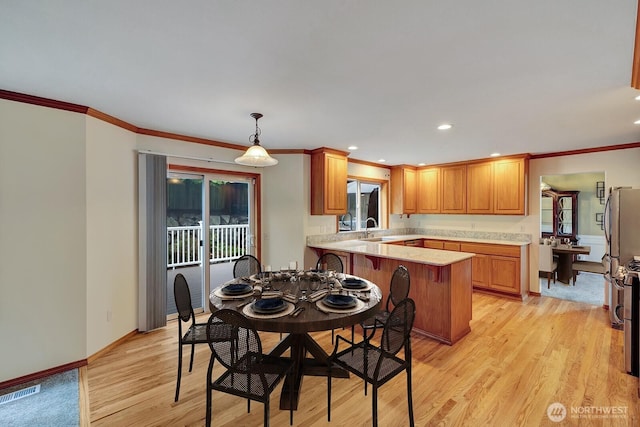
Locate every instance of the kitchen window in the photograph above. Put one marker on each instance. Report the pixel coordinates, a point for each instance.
(363, 206)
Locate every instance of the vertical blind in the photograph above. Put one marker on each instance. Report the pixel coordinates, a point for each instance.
(152, 241)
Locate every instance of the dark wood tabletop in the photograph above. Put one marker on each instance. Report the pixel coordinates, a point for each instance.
(566, 254)
(576, 250)
(311, 319)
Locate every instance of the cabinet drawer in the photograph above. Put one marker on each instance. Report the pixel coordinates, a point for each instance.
(451, 246)
(488, 249)
(433, 244)
(415, 243)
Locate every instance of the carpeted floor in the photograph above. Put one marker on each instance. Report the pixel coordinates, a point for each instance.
(589, 289)
(56, 405)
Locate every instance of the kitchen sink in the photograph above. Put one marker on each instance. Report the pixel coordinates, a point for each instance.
(381, 238)
(373, 239)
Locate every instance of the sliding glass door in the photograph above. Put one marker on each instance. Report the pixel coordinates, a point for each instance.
(228, 225)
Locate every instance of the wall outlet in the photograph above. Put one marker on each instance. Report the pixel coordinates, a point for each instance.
(473, 225)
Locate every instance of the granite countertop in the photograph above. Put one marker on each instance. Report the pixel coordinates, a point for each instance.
(418, 255)
(378, 246)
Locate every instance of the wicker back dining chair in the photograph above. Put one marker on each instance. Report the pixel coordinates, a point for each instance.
(379, 364)
(196, 333)
(245, 266)
(248, 373)
(330, 262)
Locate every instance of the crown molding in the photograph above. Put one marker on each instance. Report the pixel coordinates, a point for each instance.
(77, 108)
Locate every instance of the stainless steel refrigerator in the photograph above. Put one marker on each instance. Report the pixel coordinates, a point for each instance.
(622, 231)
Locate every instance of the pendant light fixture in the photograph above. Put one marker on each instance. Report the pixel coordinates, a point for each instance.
(256, 155)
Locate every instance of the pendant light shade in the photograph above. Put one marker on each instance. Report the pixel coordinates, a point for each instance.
(256, 155)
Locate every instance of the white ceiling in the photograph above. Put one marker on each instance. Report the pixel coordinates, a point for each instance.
(513, 76)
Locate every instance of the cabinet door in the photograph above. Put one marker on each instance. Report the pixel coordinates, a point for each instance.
(480, 188)
(403, 190)
(454, 189)
(505, 274)
(509, 186)
(481, 271)
(336, 184)
(428, 197)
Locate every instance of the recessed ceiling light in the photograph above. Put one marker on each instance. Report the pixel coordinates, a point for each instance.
(637, 122)
(352, 147)
(638, 98)
(421, 164)
(495, 154)
(445, 126)
(381, 160)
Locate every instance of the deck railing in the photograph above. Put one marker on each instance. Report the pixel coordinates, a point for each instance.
(226, 243)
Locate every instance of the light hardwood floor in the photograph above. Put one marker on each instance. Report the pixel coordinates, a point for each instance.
(518, 359)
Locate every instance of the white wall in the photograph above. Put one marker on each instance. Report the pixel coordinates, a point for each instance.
(112, 235)
(42, 238)
(285, 206)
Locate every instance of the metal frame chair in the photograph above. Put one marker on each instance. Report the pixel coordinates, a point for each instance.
(195, 334)
(330, 261)
(248, 372)
(379, 364)
(398, 291)
(245, 266)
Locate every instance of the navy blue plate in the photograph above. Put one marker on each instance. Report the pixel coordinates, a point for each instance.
(237, 289)
(340, 301)
(353, 283)
(269, 305)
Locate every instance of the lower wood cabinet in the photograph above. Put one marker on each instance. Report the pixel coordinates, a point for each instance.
(498, 268)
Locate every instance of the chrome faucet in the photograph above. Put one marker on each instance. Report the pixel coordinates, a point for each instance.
(366, 222)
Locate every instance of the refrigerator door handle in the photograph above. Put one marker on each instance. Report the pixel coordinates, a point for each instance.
(606, 221)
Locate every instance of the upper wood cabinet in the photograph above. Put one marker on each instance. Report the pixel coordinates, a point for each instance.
(488, 187)
(497, 187)
(328, 182)
(454, 189)
(428, 197)
(480, 188)
(403, 190)
(510, 186)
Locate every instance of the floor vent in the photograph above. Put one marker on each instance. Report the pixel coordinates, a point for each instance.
(6, 398)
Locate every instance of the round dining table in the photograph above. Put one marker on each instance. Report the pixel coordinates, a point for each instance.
(298, 326)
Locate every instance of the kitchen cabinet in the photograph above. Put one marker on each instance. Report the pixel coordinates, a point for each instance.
(510, 186)
(328, 182)
(403, 190)
(488, 187)
(497, 187)
(498, 269)
(480, 188)
(559, 214)
(454, 189)
(429, 191)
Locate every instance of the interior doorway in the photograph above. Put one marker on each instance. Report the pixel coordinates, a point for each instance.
(575, 214)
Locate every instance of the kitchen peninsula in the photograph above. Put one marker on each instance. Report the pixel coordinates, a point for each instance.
(441, 282)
